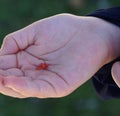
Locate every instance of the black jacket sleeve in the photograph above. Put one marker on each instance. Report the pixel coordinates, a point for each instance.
(102, 80)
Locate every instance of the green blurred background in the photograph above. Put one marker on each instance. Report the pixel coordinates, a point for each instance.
(16, 14)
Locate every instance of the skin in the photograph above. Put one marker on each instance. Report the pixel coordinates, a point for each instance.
(116, 73)
(74, 47)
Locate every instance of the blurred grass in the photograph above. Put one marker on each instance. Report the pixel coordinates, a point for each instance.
(16, 14)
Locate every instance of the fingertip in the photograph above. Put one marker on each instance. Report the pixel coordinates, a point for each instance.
(9, 45)
(116, 73)
(7, 90)
(20, 85)
(12, 81)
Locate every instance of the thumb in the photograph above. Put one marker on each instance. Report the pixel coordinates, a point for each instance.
(116, 73)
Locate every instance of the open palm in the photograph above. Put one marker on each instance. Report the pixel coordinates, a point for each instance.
(59, 41)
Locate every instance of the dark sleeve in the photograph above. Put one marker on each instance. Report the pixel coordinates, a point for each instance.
(102, 80)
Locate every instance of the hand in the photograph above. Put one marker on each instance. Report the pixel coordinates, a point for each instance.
(73, 47)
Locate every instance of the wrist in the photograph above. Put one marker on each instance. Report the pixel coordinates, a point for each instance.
(112, 39)
(109, 34)
(104, 34)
